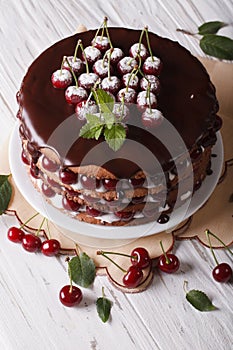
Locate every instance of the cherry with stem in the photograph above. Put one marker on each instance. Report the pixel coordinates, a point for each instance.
(168, 262)
(16, 234)
(222, 272)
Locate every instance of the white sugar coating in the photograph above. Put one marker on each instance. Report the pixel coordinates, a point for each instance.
(92, 53)
(74, 90)
(101, 66)
(112, 82)
(135, 50)
(132, 80)
(62, 75)
(127, 64)
(120, 111)
(75, 64)
(127, 95)
(153, 114)
(90, 107)
(102, 40)
(154, 83)
(116, 54)
(143, 100)
(152, 63)
(88, 78)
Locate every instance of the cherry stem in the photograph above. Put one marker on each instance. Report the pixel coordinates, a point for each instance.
(76, 50)
(211, 248)
(123, 106)
(133, 73)
(107, 32)
(62, 64)
(26, 222)
(103, 295)
(185, 31)
(148, 94)
(100, 252)
(208, 232)
(47, 223)
(40, 227)
(148, 44)
(140, 42)
(85, 57)
(72, 72)
(109, 63)
(97, 32)
(168, 261)
(69, 273)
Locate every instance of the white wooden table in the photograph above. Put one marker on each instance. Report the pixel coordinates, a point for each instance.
(31, 316)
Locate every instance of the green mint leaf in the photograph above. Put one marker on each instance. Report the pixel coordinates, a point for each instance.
(109, 119)
(104, 100)
(89, 131)
(103, 306)
(93, 119)
(115, 136)
(217, 46)
(199, 300)
(5, 193)
(211, 27)
(82, 270)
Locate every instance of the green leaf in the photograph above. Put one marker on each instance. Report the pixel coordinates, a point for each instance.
(217, 46)
(82, 270)
(211, 27)
(93, 119)
(104, 100)
(115, 136)
(103, 306)
(5, 193)
(89, 131)
(200, 300)
(109, 119)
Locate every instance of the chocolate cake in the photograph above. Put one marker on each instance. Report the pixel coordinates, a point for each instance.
(167, 107)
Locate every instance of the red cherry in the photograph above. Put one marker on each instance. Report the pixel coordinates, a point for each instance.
(50, 247)
(25, 158)
(124, 215)
(90, 183)
(127, 95)
(101, 43)
(116, 55)
(68, 177)
(92, 54)
(131, 81)
(31, 243)
(49, 164)
(110, 184)
(76, 64)
(137, 182)
(126, 65)
(154, 83)
(169, 267)
(15, 234)
(222, 273)
(92, 211)
(47, 190)
(134, 51)
(152, 118)
(100, 67)
(70, 205)
(111, 84)
(74, 94)
(133, 277)
(34, 171)
(84, 107)
(121, 112)
(152, 65)
(70, 296)
(144, 101)
(87, 81)
(61, 78)
(143, 259)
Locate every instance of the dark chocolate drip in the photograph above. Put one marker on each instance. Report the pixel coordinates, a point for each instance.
(187, 100)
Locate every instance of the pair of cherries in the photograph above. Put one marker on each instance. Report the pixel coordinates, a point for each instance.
(32, 243)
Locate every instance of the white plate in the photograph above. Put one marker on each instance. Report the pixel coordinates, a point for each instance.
(36, 200)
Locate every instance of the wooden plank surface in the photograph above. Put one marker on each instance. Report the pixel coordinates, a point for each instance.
(160, 318)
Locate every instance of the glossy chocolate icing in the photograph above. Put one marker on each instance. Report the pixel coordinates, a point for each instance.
(187, 100)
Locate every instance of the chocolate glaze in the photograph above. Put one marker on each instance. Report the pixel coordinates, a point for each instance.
(187, 100)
